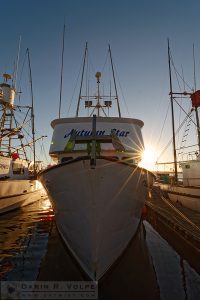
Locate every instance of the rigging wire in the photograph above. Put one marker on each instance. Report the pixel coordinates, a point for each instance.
(185, 112)
(91, 62)
(158, 142)
(180, 111)
(74, 90)
(17, 64)
(106, 61)
(20, 77)
(183, 80)
(177, 74)
(106, 73)
(44, 152)
(185, 133)
(121, 90)
(170, 141)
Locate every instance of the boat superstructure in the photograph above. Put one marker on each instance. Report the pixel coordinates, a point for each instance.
(96, 188)
(18, 183)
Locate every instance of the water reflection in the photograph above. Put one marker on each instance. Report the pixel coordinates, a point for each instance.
(131, 277)
(23, 240)
(149, 269)
(176, 279)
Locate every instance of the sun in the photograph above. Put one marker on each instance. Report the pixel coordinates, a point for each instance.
(149, 157)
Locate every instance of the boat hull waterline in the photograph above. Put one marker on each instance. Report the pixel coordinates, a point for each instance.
(15, 194)
(97, 209)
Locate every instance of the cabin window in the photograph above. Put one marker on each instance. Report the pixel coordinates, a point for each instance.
(187, 166)
(18, 169)
(64, 159)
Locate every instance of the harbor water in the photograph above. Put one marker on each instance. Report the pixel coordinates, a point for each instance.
(150, 268)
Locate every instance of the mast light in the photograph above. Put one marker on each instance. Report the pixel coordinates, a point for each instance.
(6, 77)
(98, 76)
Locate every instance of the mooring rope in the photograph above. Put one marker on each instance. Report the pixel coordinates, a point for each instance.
(177, 211)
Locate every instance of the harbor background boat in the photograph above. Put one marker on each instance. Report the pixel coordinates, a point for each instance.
(18, 165)
(186, 150)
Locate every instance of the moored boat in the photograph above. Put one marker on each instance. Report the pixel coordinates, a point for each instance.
(97, 188)
(187, 191)
(18, 183)
(18, 187)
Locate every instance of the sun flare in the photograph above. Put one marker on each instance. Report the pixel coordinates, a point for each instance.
(149, 156)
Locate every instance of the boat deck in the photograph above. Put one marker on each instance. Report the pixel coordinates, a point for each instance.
(180, 224)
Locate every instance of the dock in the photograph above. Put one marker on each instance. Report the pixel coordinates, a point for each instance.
(178, 224)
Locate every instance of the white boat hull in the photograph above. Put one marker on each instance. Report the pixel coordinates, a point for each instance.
(18, 193)
(187, 196)
(97, 210)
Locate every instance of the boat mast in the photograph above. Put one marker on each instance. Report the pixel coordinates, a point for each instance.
(196, 108)
(98, 105)
(61, 76)
(198, 126)
(172, 111)
(83, 70)
(114, 82)
(32, 112)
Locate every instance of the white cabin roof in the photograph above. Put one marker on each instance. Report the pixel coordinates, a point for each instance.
(98, 119)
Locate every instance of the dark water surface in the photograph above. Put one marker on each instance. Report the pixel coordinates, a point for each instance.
(31, 249)
(24, 237)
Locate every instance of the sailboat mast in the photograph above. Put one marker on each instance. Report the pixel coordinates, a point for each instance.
(114, 82)
(198, 126)
(32, 112)
(83, 70)
(196, 108)
(61, 76)
(98, 75)
(172, 111)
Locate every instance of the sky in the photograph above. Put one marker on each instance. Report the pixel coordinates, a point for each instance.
(137, 31)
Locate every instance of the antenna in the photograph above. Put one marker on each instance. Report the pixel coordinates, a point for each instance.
(61, 76)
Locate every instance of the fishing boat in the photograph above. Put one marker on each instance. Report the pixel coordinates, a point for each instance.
(97, 189)
(18, 183)
(187, 191)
